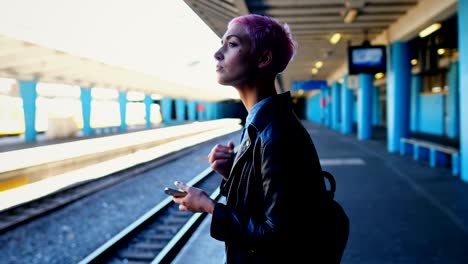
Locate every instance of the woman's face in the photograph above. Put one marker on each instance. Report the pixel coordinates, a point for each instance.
(234, 57)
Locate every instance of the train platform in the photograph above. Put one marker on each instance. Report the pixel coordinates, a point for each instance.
(400, 210)
(27, 173)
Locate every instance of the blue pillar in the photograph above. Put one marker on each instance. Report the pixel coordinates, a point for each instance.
(453, 107)
(85, 97)
(376, 113)
(211, 110)
(180, 110)
(336, 105)
(166, 110)
(328, 120)
(192, 110)
(463, 61)
(326, 111)
(201, 111)
(364, 108)
(148, 102)
(346, 108)
(29, 94)
(314, 110)
(217, 110)
(123, 111)
(416, 86)
(323, 106)
(398, 91)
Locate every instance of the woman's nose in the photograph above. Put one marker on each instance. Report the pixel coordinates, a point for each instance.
(218, 55)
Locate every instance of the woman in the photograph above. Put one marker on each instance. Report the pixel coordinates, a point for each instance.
(275, 179)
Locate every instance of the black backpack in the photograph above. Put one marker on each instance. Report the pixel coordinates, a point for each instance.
(336, 222)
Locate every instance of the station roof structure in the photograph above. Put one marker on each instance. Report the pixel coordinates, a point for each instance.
(313, 23)
(156, 47)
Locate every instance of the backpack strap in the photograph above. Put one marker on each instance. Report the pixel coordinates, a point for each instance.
(330, 194)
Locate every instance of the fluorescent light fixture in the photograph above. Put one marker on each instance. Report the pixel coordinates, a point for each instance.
(441, 51)
(414, 62)
(314, 71)
(379, 75)
(436, 89)
(429, 30)
(335, 38)
(318, 64)
(350, 15)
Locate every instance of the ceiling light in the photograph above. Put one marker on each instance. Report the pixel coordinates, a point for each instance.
(379, 75)
(429, 30)
(436, 89)
(441, 51)
(414, 62)
(318, 64)
(335, 38)
(350, 15)
(314, 71)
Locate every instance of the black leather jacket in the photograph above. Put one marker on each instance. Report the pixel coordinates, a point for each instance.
(274, 183)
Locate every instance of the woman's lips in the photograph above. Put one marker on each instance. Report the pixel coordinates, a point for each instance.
(218, 68)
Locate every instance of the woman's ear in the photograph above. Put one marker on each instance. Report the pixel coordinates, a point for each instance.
(265, 59)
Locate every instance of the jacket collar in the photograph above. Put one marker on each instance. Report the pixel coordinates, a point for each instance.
(267, 111)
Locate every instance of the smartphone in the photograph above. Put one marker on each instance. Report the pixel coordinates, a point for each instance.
(174, 192)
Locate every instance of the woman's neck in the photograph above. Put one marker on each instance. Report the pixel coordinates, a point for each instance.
(254, 93)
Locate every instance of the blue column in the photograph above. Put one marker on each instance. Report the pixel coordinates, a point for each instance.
(123, 111)
(416, 86)
(376, 112)
(346, 107)
(453, 107)
(211, 110)
(201, 111)
(463, 61)
(323, 106)
(29, 94)
(166, 110)
(336, 105)
(85, 97)
(148, 102)
(180, 110)
(314, 111)
(364, 108)
(398, 91)
(192, 110)
(328, 119)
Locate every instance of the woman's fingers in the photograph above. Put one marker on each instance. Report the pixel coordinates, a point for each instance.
(220, 152)
(181, 186)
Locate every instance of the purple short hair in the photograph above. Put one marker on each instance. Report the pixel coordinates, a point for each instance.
(268, 33)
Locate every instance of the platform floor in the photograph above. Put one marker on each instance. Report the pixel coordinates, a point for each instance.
(400, 210)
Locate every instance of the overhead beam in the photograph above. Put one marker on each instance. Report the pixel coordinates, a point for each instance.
(421, 16)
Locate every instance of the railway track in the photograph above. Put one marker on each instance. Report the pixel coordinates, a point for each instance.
(158, 235)
(20, 214)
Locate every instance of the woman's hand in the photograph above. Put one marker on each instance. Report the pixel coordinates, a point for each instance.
(221, 159)
(196, 199)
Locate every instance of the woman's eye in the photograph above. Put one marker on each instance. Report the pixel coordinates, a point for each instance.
(232, 44)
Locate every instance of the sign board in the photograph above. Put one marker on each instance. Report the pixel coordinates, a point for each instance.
(308, 85)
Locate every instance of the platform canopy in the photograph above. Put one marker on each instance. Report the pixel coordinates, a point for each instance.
(157, 47)
(313, 23)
